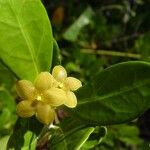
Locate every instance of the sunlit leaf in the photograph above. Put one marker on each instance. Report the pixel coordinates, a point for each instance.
(26, 41)
(3, 142)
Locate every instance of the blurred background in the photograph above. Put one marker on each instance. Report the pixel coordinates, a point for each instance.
(94, 34)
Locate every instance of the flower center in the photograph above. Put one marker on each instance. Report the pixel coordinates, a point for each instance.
(39, 98)
(61, 85)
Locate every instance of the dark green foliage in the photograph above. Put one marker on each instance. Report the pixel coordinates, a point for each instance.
(118, 94)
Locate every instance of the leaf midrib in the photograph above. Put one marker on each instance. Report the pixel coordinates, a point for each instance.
(26, 37)
(123, 90)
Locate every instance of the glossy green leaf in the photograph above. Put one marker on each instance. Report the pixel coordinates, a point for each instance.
(95, 138)
(72, 33)
(25, 134)
(70, 135)
(76, 140)
(26, 41)
(118, 94)
(73, 141)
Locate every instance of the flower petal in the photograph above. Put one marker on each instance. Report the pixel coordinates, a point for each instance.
(25, 89)
(44, 81)
(45, 113)
(55, 96)
(59, 73)
(25, 109)
(71, 100)
(72, 83)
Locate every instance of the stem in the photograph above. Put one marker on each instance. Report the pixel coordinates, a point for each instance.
(111, 53)
(109, 7)
(56, 119)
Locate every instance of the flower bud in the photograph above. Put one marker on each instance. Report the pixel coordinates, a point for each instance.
(44, 81)
(59, 73)
(55, 96)
(25, 89)
(25, 109)
(71, 100)
(44, 113)
(72, 83)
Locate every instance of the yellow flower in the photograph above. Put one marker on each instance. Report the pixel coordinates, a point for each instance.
(47, 93)
(68, 84)
(40, 98)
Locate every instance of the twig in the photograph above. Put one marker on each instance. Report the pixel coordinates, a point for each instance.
(109, 7)
(111, 53)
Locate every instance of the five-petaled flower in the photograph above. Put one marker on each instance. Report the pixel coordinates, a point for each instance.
(68, 84)
(47, 93)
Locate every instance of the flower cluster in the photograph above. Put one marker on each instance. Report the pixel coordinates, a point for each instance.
(48, 92)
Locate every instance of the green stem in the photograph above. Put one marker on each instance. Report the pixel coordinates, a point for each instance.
(111, 53)
(109, 7)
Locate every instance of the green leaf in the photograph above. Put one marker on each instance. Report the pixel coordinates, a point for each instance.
(25, 134)
(3, 142)
(7, 78)
(7, 109)
(73, 141)
(128, 134)
(96, 137)
(76, 140)
(142, 46)
(26, 42)
(72, 33)
(70, 135)
(118, 94)
(56, 54)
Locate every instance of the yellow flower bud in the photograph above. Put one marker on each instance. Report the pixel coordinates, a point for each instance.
(25, 109)
(59, 73)
(72, 83)
(71, 100)
(55, 96)
(44, 113)
(44, 81)
(25, 89)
